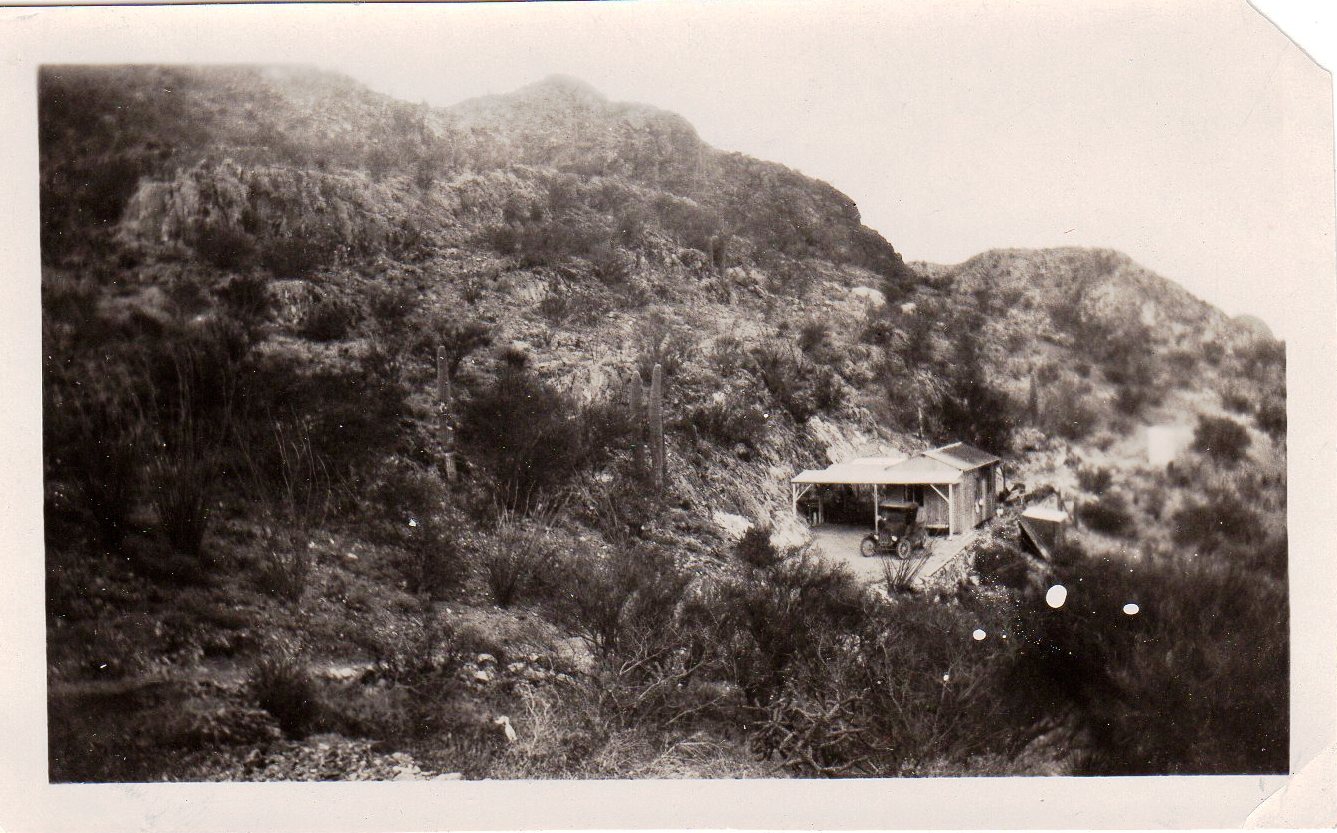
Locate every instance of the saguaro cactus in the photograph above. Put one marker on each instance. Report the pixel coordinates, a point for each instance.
(657, 428)
(445, 429)
(636, 405)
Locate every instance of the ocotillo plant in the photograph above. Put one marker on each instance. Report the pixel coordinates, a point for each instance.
(657, 427)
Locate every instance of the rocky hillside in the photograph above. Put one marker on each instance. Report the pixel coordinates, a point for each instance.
(247, 276)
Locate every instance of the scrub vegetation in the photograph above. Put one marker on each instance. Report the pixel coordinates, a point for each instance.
(258, 568)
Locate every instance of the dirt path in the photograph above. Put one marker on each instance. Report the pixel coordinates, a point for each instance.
(840, 544)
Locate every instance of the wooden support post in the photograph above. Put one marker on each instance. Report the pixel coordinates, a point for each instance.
(875, 496)
(951, 509)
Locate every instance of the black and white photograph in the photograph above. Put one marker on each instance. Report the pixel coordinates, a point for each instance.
(636, 391)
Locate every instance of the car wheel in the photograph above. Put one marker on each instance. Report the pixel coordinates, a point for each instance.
(868, 547)
(903, 548)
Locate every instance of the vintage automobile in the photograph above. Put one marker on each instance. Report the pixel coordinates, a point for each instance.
(898, 532)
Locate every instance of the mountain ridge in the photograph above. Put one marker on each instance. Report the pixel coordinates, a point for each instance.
(279, 310)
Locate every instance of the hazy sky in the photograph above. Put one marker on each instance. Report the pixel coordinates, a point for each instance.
(1181, 133)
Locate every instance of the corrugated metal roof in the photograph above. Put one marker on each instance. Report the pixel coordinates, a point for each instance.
(962, 456)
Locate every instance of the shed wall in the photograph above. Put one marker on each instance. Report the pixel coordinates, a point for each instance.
(963, 510)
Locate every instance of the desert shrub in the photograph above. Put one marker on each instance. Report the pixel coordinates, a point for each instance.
(416, 650)
(409, 510)
(813, 335)
(1094, 479)
(755, 549)
(513, 357)
(903, 692)
(555, 306)
(1262, 357)
(432, 562)
(1271, 419)
(1109, 515)
(1270, 556)
(649, 635)
(392, 304)
(610, 265)
(974, 410)
(772, 619)
(349, 416)
(292, 257)
(1129, 368)
(727, 355)
(1236, 401)
(662, 343)
(828, 392)
(917, 348)
(1068, 411)
(182, 478)
(459, 337)
(1194, 683)
(899, 575)
(877, 329)
(286, 477)
(246, 299)
(546, 243)
(621, 602)
(192, 420)
(617, 502)
(971, 407)
(729, 423)
(1131, 400)
(1002, 564)
(282, 686)
(797, 385)
(690, 223)
(284, 568)
(97, 438)
(472, 291)
(328, 319)
(1220, 520)
(517, 554)
(225, 247)
(1222, 439)
(532, 438)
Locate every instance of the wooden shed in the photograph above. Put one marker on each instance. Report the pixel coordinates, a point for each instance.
(956, 484)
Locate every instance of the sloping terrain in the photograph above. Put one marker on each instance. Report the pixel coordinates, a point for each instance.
(259, 569)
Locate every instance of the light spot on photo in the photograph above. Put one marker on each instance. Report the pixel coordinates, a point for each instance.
(1057, 595)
